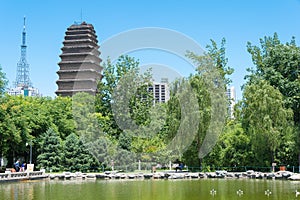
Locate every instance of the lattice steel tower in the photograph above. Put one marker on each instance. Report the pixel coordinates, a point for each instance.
(22, 79)
(23, 85)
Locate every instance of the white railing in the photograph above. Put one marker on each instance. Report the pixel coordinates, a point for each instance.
(21, 175)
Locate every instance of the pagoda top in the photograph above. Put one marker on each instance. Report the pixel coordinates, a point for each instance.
(82, 24)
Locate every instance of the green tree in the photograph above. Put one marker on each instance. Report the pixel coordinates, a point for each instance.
(112, 74)
(118, 83)
(70, 149)
(60, 112)
(84, 115)
(124, 160)
(234, 146)
(76, 156)
(209, 85)
(14, 130)
(50, 156)
(104, 150)
(23, 119)
(265, 119)
(27, 118)
(36, 111)
(279, 64)
(86, 162)
(214, 57)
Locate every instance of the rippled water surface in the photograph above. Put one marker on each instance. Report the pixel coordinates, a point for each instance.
(151, 189)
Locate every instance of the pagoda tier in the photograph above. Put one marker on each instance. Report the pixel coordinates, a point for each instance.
(80, 68)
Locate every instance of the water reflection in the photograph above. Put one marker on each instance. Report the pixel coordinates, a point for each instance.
(151, 189)
(21, 190)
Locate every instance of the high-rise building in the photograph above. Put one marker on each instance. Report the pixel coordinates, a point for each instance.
(161, 92)
(231, 101)
(80, 68)
(23, 85)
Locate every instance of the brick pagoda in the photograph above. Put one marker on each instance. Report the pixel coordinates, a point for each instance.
(80, 68)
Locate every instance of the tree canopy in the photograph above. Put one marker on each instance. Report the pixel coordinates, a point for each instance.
(123, 124)
(278, 63)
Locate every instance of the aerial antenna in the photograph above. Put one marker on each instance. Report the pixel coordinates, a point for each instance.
(24, 22)
(24, 32)
(79, 22)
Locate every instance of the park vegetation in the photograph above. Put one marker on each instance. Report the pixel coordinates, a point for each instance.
(92, 133)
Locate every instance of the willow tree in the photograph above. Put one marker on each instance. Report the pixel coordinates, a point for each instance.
(209, 85)
(122, 89)
(124, 105)
(278, 63)
(265, 120)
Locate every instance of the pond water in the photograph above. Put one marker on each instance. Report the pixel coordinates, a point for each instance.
(150, 189)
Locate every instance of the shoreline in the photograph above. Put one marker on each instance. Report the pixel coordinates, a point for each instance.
(115, 175)
(167, 175)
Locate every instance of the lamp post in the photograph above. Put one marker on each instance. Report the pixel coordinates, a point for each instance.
(30, 158)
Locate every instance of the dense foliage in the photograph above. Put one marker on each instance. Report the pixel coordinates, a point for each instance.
(50, 154)
(123, 125)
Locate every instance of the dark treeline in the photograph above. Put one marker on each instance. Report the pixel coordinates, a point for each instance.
(121, 124)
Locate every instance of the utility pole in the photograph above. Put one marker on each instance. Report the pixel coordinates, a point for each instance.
(30, 160)
(30, 151)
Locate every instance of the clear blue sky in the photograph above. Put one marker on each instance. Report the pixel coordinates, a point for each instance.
(237, 21)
